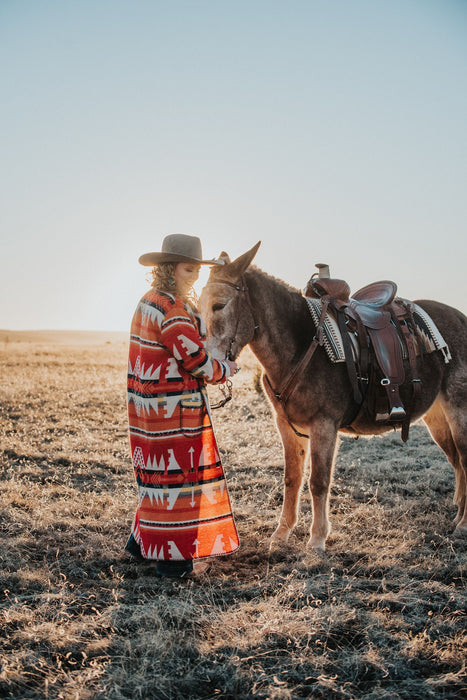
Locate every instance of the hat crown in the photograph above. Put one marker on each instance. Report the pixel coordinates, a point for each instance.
(181, 244)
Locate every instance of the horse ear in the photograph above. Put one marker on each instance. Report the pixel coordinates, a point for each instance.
(240, 264)
(225, 257)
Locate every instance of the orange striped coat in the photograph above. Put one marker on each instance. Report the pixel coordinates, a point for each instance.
(184, 509)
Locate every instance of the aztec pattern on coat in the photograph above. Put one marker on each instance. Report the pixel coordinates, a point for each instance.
(183, 508)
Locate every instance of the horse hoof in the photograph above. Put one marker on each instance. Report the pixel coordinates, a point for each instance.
(460, 531)
(279, 538)
(317, 545)
(278, 543)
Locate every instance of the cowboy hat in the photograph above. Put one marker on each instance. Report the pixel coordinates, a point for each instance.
(177, 247)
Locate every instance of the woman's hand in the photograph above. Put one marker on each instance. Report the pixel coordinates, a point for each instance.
(234, 368)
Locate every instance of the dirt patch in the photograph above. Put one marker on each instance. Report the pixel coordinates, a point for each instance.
(381, 615)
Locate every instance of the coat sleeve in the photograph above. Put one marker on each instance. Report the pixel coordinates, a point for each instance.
(181, 337)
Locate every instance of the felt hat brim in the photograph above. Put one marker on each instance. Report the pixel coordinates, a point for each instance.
(151, 259)
(178, 247)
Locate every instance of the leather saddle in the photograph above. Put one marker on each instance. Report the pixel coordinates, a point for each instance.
(383, 325)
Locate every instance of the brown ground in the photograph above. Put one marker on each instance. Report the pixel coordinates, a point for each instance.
(381, 615)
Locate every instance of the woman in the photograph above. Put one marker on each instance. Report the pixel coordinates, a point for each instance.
(183, 509)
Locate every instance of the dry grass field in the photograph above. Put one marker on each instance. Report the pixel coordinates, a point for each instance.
(381, 615)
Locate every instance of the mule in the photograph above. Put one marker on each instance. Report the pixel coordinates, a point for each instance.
(242, 305)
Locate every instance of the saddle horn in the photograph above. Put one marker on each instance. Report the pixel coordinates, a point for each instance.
(323, 271)
(322, 284)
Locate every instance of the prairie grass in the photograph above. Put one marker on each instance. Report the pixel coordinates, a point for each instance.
(381, 615)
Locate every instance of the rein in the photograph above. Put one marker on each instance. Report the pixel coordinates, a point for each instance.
(283, 393)
(226, 391)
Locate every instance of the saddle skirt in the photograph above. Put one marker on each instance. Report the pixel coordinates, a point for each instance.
(430, 337)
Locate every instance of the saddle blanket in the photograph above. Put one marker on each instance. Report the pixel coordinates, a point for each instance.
(431, 338)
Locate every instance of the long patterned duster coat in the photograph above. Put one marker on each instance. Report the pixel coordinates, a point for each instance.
(183, 508)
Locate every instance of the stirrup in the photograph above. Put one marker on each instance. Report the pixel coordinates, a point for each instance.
(397, 413)
(382, 417)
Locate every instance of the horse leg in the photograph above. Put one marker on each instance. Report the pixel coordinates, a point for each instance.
(448, 427)
(295, 454)
(323, 436)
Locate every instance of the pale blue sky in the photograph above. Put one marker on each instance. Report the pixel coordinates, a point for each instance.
(333, 130)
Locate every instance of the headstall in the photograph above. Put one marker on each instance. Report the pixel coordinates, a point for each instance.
(243, 287)
(226, 390)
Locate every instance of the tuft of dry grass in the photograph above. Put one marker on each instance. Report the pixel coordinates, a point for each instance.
(380, 615)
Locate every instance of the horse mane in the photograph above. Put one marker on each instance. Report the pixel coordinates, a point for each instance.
(296, 322)
(270, 280)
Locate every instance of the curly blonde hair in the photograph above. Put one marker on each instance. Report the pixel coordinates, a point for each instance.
(163, 277)
(163, 280)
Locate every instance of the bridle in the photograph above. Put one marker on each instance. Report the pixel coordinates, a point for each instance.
(242, 288)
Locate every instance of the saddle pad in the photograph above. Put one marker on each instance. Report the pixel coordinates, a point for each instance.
(332, 335)
(431, 338)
